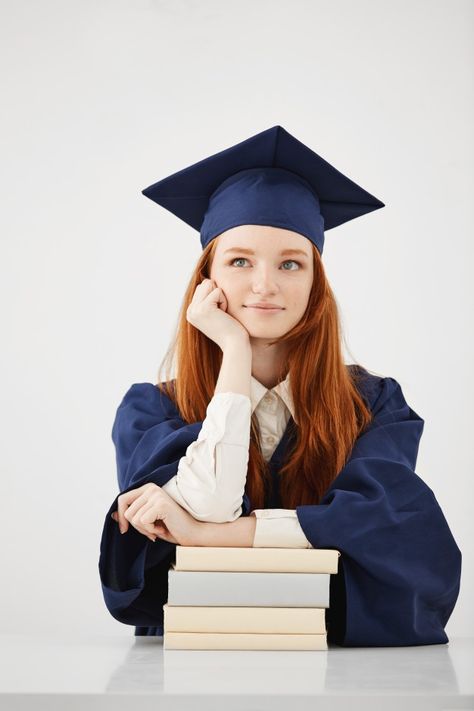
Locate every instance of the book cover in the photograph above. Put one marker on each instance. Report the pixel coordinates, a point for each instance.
(254, 589)
(284, 560)
(260, 620)
(201, 640)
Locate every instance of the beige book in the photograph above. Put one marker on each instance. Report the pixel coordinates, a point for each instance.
(273, 560)
(203, 640)
(255, 620)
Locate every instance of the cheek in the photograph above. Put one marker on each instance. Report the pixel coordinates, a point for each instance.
(224, 280)
(219, 272)
(299, 297)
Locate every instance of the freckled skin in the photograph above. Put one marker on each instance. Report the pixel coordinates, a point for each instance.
(264, 276)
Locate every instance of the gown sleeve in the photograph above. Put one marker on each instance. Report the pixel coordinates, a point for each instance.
(150, 439)
(400, 566)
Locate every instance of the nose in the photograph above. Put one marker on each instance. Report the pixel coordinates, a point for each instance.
(263, 281)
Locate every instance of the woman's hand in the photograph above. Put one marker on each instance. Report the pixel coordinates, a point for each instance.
(156, 515)
(207, 312)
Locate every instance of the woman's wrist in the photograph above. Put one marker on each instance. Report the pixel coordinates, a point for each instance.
(237, 343)
(238, 534)
(236, 368)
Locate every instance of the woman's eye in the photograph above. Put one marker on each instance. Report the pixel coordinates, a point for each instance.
(288, 261)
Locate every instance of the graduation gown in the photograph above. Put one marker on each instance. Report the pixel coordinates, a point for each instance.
(399, 570)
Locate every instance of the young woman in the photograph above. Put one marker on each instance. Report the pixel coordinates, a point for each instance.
(265, 437)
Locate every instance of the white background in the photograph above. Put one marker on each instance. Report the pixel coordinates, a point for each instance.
(102, 98)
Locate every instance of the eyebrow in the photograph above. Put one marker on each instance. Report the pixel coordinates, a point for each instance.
(284, 252)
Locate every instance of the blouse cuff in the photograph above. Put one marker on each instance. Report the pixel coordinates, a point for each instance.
(278, 528)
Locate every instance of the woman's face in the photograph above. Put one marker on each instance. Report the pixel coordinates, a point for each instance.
(259, 263)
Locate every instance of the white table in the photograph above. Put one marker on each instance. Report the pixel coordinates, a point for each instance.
(126, 672)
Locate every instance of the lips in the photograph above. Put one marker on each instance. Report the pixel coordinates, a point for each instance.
(265, 310)
(265, 307)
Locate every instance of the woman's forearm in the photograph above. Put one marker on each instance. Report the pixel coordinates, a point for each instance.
(236, 368)
(234, 376)
(239, 533)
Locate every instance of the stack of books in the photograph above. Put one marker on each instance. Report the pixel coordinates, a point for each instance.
(248, 598)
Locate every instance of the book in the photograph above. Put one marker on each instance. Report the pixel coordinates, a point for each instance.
(285, 560)
(202, 640)
(251, 589)
(255, 620)
(242, 598)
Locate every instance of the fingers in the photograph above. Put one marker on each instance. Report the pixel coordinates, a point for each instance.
(134, 504)
(134, 515)
(223, 302)
(215, 294)
(208, 285)
(205, 285)
(146, 512)
(128, 503)
(131, 510)
(144, 520)
(156, 530)
(127, 500)
(136, 523)
(148, 515)
(123, 501)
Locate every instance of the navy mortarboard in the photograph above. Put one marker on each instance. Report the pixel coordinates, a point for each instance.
(268, 179)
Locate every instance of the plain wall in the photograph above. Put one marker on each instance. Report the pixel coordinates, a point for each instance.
(100, 99)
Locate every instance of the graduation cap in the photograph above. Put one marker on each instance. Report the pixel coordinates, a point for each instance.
(268, 179)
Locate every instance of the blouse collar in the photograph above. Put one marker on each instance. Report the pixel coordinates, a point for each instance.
(282, 389)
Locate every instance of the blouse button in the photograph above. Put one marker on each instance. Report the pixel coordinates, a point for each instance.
(269, 402)
(270, 440)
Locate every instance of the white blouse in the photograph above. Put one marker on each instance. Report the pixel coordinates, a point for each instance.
(211, 476)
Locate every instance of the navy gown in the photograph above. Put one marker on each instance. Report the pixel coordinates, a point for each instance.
(400, 567)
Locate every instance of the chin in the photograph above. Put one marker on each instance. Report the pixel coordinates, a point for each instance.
(262, 332)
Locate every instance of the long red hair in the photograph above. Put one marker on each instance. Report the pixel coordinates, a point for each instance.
(330, 410)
